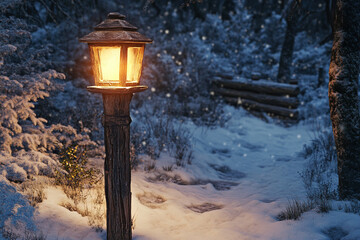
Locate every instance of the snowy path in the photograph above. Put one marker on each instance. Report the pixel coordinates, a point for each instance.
(263, 160)
(241, 177)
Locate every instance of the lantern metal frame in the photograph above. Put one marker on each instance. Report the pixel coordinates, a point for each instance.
(115, 31)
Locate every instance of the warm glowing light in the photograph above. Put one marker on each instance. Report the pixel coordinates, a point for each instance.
(107, 64)
(134, 63)
(117, 66)
(109, 59)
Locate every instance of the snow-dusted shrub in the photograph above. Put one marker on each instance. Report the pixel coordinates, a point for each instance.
(295, 209)
(25, 79)
(76, 173)
(352, 207)
(24, 165)
(35, 163)
(15, 212)
(15, 173)
(89, 202)
(34, 191)
(19, 233)
(320, 171)
(159, 134)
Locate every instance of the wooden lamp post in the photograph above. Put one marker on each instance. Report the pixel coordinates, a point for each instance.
(116, 51)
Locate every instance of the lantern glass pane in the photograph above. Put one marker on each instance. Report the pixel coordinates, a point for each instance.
(107, 65)
(134, 64)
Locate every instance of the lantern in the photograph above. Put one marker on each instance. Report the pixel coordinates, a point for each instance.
(116, 51)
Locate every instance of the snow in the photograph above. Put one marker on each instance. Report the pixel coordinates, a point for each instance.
(261, 176)
(15, 211)
(24, 164)
(263, 160)
(58, 223)
(242, 174)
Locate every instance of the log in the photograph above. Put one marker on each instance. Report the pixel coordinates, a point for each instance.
(225, 76)
(288, 102)
(293, 81)
(256, 76)
(252, 105)
(273, 88)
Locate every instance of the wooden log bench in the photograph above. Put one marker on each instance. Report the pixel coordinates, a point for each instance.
(276, 99)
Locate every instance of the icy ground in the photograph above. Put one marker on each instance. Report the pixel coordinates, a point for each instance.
(241, 177)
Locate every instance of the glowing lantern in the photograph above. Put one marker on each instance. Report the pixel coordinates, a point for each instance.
(116, 51)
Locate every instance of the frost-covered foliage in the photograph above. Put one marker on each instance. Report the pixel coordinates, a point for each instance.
(15, 212)
(160, 134)
(320, 172)
(24, 165)
(26, 78)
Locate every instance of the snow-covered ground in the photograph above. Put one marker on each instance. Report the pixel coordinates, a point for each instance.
(241, 177)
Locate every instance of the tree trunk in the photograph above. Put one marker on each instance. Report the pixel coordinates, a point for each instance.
(343, 95)
(292, 15)
(284, 73)
(116, 123)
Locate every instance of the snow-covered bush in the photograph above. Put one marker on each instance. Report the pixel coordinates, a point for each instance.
(25, 79)
(320, 172)
(74, 161)
(295, 209)
(159, 134)
(24, 165)
(15, 213)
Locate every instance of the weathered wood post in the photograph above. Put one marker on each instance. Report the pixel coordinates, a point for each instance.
(116, 121)
(116, 52)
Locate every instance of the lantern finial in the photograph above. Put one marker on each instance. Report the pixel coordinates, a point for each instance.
(115, 15)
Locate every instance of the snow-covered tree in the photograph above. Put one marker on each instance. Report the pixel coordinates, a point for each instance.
(26, 78)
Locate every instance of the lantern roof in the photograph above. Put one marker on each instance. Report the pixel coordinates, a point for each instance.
(114, 29)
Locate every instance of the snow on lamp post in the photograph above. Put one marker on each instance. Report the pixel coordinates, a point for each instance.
(116, 51)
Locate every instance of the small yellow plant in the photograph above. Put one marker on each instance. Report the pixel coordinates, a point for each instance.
(74, 160)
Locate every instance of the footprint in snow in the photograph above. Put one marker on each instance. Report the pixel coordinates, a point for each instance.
(283, 159)
(221, 151)
(205, 207)
(151, 200)
(227, 173)
(335, 233)
(218, 185)
(252, 147)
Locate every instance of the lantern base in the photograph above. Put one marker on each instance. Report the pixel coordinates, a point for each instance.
(116, 90)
